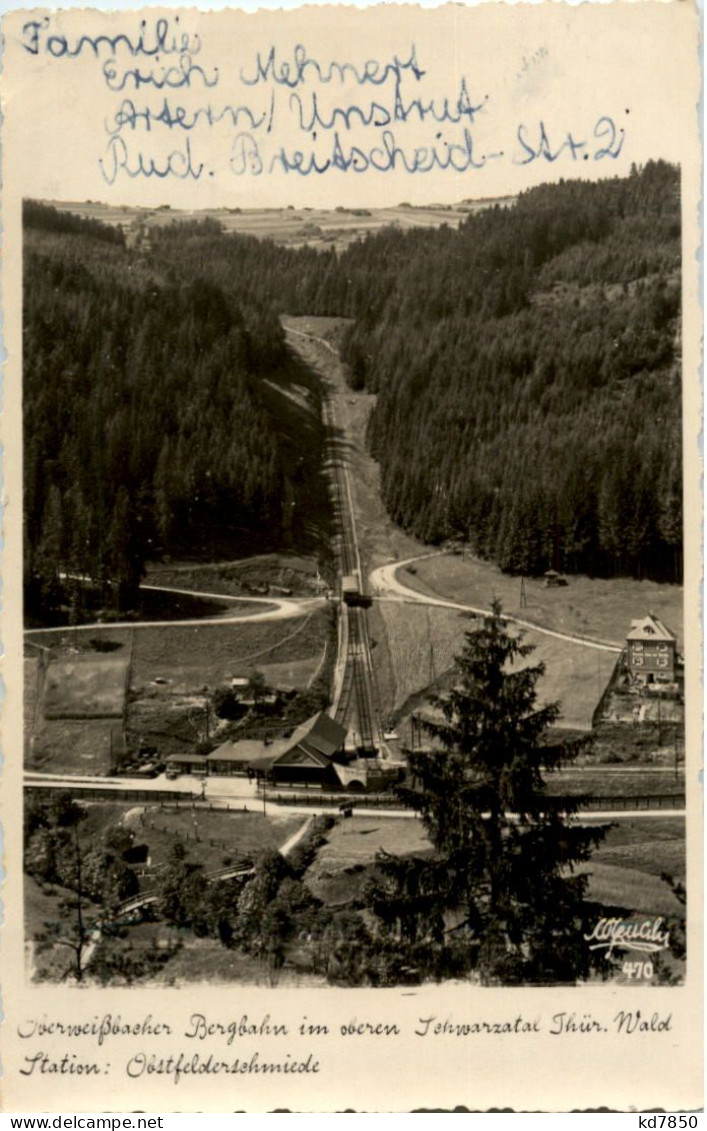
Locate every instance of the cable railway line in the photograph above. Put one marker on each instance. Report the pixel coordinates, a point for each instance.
(354, 703)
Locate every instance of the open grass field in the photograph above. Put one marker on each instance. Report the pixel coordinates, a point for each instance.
(575, 677)
(65, 644)
(293, 673)
(293, 227)
(338, 872)
(359, 838)
(212, 838)
(594, 607)
(649, 845)
(156, 605)
(194, 656)
(423, 643)
(153, 605)
(657, 743)
(205, 960)
(630, 888)
(234, 578)
(85, 688)
(607, 781)
(208, 834)
(73, 746)
(625, 868)
(174, 668)
(79, 744)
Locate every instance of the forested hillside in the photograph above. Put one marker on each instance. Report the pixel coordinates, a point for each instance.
(527, 368)
(145, 425)
(528, 372)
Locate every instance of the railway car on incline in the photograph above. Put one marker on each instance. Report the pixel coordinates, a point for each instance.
(351, 592)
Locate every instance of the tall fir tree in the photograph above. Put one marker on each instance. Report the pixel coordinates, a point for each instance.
(510, 852)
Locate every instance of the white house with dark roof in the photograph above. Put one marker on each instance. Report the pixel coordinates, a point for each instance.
(651, 651)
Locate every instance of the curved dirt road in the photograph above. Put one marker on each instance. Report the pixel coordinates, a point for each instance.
(276, 608)
(386, 584)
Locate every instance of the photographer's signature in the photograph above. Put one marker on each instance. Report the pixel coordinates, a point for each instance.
(649, 936)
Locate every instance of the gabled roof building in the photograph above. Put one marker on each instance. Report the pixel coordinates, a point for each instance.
(651, 650)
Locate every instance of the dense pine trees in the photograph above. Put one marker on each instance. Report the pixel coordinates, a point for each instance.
(527, 368)
(529, 382)
(145, 428)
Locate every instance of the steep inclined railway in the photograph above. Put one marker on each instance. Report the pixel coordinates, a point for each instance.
(354, 702)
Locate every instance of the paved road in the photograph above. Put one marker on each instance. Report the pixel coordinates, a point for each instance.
(224, 793)
(216, 789)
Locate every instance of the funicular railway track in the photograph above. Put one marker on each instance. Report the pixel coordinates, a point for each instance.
(355, 706)
(359, 661)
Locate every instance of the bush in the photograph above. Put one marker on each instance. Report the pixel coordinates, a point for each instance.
(303, 854)
(227, 705)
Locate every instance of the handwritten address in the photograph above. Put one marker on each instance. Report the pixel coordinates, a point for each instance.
(339, 116)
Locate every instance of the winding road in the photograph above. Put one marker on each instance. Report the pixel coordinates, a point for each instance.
(387, 586)
(384, 583)
(275, 608)
(354, 702)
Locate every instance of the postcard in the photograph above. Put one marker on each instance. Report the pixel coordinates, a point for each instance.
(352, 723)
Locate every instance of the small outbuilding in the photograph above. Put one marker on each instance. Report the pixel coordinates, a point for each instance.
(187, 764)
(553, 579)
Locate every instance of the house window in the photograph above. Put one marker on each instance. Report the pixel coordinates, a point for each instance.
(662, 661)
(638, 647)
(662, 647)
(638, 661)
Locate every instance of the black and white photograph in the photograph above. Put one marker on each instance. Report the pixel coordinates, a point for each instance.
(355, 638)
(353, 604)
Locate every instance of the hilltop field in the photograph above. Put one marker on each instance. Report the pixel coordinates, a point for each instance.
(290, 227)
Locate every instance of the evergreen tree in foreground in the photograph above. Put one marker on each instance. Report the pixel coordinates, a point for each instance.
(509, 853)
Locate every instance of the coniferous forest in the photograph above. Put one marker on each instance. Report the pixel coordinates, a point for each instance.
(529, 382)
(527, 371)
(145, 427)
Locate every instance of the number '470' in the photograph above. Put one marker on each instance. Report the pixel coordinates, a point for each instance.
(635, 971)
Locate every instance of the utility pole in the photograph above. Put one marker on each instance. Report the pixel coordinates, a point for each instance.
(523, 598)
(433, 673)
